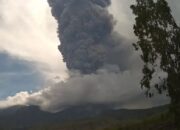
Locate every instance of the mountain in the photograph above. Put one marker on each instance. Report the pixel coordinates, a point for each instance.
(24, 117)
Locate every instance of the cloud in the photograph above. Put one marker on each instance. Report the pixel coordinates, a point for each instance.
(18, 75)
(109, 85)
(125, 19)
(175, 8)
(121, 11)
(105, 87)
(28, 32)
(88, 40)
(18, 99)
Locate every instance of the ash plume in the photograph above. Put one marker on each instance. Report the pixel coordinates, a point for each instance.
(85, 29)
(110, 70)
(104, 87)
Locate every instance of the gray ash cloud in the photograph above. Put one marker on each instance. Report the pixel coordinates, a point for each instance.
(85, 29)
(110, 69)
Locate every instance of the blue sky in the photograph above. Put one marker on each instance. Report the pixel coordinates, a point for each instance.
(17, 75)
(29, 56)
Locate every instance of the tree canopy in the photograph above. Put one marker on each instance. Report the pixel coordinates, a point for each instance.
(159, 40)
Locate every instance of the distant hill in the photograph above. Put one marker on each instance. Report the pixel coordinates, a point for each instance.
(25, 117)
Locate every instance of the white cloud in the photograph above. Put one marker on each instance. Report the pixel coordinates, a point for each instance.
(104, 87)
(28, 32)
(124, 17)
(107, 86)
(18, 99)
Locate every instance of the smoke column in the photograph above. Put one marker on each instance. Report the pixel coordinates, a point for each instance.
(85, 30)
(110, 70)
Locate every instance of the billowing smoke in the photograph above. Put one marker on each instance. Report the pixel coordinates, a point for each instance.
(109, 70)
(105, 87)
(85, 29)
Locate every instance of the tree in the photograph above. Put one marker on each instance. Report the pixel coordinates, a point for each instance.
(159, 40)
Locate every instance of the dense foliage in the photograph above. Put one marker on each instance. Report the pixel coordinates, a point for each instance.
(159, 41)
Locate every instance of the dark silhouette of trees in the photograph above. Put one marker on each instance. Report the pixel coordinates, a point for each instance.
(159, 40)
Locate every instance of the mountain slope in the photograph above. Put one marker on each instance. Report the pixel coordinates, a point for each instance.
(23, 117)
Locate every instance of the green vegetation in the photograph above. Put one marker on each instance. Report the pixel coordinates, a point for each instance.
(159, 41)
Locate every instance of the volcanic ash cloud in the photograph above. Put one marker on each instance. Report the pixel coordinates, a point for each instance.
(85, 30)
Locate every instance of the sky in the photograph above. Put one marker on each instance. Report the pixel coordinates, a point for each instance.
(26, 28)
(30, 61)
